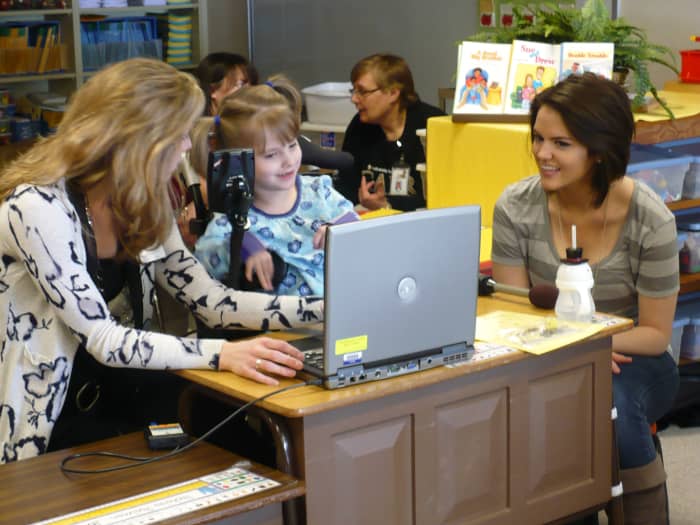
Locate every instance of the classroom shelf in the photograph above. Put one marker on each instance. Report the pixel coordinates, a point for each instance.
(136, 10)
(65, 82)
(18, 79)
(690, 282)
(32, 13)
(69, 19)
(685, 204)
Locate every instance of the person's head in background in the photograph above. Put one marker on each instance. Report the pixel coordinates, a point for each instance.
(221, 74)
(285, 87)
(108, 137)
(256, 117)
(593, 121)
(382, 88)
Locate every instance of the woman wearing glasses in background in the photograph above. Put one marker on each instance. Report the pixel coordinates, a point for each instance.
(382, 136)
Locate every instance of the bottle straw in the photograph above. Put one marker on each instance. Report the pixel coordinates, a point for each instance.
(573, 236)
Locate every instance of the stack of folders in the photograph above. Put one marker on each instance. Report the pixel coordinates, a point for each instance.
(29, 47)
(179, 51)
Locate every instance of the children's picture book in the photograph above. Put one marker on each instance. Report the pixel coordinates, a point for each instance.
(534, 66)
(481, 77)
(486, 84)
(587, 57)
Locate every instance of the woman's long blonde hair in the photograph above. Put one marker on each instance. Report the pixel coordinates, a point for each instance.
(243, 119)
(121, 127)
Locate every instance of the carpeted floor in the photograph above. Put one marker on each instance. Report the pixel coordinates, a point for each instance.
(681, 449)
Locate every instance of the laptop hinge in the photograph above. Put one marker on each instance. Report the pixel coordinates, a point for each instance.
(456, 348)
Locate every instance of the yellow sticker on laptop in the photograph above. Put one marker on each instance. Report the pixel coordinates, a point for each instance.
(351, 344)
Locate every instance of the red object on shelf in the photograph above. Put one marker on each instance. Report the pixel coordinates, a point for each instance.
(690, 65)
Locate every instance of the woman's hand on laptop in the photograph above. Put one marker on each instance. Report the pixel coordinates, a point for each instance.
(259, 358)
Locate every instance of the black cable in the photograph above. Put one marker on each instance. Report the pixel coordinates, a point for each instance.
(139, 460)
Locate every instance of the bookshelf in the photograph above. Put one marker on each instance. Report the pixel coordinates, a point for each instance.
(74, 75)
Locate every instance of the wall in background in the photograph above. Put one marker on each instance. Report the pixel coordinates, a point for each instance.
(316, 41)
(228, 26)
(670, 23)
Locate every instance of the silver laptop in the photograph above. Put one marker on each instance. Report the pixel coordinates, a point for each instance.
(400, 296)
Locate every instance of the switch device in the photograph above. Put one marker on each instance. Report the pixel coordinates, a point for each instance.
(166, 436)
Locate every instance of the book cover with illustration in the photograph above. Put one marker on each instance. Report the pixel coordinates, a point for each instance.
(591, 57)
(534, 66)
(482, 72)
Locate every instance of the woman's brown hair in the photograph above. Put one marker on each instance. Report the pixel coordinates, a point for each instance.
(389, 71)
(597, 112)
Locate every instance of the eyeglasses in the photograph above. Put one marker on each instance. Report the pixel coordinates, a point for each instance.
(362, 93)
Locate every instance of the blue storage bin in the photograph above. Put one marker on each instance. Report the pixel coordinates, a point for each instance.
(690, 147)
(661, 170)
(115, 39)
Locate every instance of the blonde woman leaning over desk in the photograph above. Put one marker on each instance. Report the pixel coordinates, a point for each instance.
(86, 229)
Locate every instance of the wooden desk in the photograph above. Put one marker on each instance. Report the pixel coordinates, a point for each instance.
(36, 489)
(517, 439)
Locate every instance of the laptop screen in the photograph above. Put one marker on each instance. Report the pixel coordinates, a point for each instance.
(400, 285)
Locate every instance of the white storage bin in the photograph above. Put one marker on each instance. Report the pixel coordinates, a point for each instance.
(329, 103)
(690, 342)
(677, 336)
(661, 171)
(689, 256)
(691, 147)
(681, 237)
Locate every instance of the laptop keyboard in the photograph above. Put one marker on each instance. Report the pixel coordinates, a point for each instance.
(313, 351)
(314, 358)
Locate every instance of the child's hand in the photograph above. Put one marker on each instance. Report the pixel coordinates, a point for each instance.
(260, 265)
(372, 201)
(320, 237)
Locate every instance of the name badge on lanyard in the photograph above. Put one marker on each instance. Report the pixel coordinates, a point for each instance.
(399, 179)
(400, 175)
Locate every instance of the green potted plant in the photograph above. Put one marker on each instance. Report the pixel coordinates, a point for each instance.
(592, 23)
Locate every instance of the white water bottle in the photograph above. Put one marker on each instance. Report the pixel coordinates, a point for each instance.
(574, 281)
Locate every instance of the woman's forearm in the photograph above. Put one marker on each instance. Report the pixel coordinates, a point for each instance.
(641, 340)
